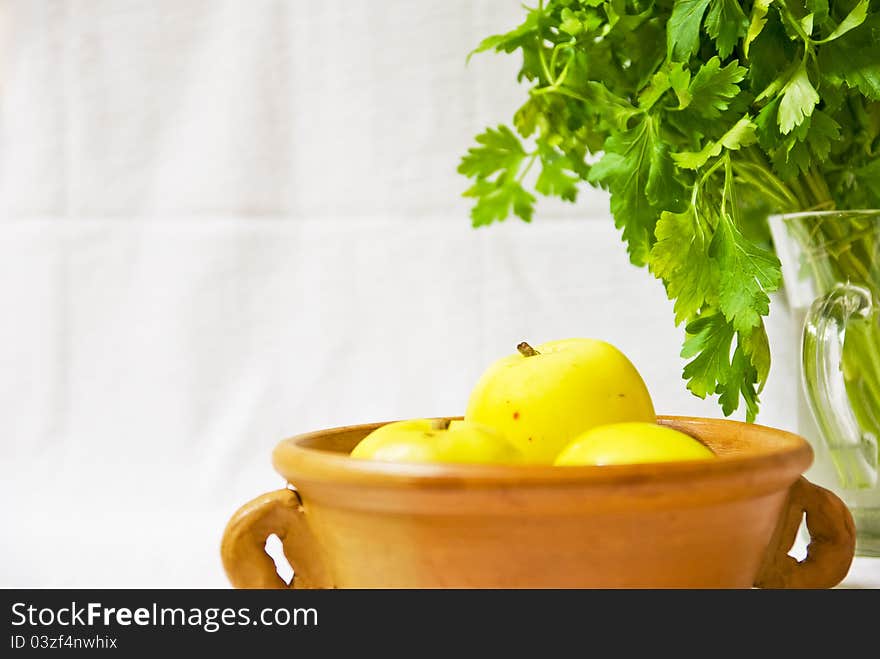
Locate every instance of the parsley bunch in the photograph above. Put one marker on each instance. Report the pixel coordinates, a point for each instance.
(708, 115)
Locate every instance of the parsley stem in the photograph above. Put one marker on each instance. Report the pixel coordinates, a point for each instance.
(848, 263)
(730, 188)
(565, 91)
(556, 48)
(761, 178)
(718, 163)
(793, 23)
(544, 67)
(532, 158)
(819, 186)
(762, 172)
(562, 76)
(798, 189)
(553, 61)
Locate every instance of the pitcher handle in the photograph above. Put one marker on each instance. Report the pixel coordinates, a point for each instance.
(840, 416)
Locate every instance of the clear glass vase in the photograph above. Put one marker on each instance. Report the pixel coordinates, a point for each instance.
(831, 268)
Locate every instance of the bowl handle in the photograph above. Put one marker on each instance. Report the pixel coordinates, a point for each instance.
(832, 541)
(243, 546)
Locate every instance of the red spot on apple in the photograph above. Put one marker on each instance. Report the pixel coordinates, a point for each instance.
(515, 416)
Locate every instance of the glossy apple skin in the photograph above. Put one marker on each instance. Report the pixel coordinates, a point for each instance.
(417, 440)
(631, 443)
(540, 403)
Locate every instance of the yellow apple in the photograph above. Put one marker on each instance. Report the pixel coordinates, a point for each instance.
(629, 443)
(541, 398)
(436, 440)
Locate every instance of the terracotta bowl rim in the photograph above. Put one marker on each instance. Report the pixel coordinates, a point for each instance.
(297, 462)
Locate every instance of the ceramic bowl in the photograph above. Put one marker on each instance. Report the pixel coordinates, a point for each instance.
(728, 522)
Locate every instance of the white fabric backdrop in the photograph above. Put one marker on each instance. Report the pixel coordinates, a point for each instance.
(226, 222)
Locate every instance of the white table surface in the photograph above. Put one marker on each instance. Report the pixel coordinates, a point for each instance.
(864, 573)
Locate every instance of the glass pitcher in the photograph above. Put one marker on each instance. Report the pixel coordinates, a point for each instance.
(831, 268)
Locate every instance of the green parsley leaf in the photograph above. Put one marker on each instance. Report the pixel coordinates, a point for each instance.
(855, 18)
(853, 59)
(518, 37)
(713, 87)
(757, 22)
(500, 155)
(612, 109)
(799, 97)
(570, 24)
(638, 171)
(796, 152)
(709, 339)
(683, 29)
(869, 176)
(740, 379)
(819, 132)
(819, 9)
(741, 134)
(772, 55)
(713, 370)
(680, 258)
(680, 80)
(620, 19)
(659, 85)
(674, 76)
(748, 372)
(757, 348)
(528, 116)
(767, 129)
(747, 273)
(500, 151)
(726, 24)
(556, 178)
(806, 24)
(496, 199)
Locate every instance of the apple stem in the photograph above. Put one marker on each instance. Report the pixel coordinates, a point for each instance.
(439, 424)
(526, 350)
